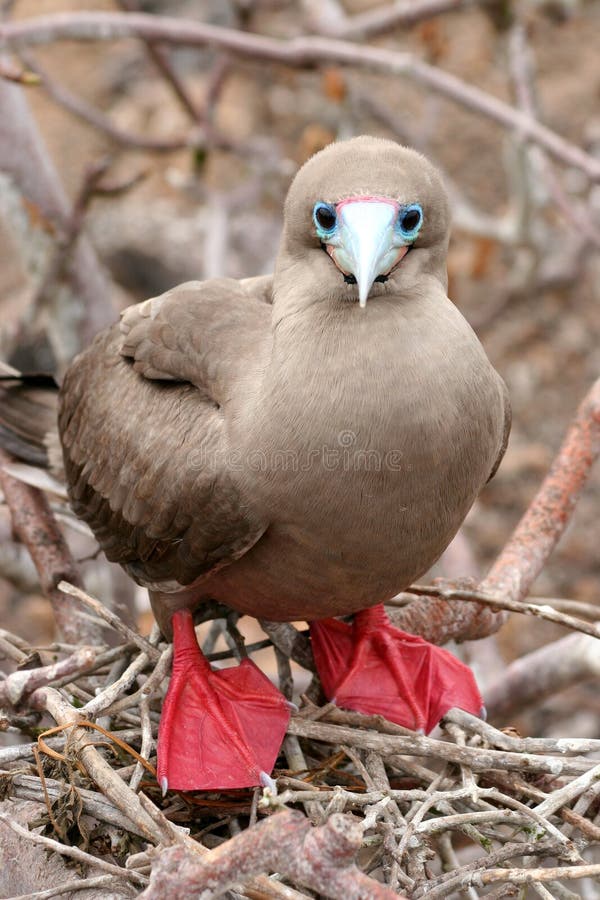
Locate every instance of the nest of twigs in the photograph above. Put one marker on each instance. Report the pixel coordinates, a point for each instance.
(363, 808)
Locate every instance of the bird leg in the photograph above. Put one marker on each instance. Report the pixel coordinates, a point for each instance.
(220, 728)
(373, 667)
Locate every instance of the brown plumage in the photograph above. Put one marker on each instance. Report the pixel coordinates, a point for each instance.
(268, 443)
(236, 476)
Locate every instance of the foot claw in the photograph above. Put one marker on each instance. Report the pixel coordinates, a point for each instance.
(268, 783)
(164, 785)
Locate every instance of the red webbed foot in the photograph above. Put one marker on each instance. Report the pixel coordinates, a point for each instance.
(220, 728)
(373, 667)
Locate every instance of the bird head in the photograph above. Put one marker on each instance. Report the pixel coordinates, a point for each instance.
(365, 213)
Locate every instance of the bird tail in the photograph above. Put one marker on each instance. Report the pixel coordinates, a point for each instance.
(28, 417)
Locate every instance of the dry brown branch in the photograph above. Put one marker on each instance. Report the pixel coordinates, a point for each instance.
(532, 542)
(320, 858)
(66, 241)
(544, 522)
(36, 527)
(297, 52)
(521, 67)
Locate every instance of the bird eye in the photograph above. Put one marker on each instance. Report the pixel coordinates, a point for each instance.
(410, 219)
(325, 216)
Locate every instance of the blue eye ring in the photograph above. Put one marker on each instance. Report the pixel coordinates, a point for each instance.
(410, 220)
(324, 217)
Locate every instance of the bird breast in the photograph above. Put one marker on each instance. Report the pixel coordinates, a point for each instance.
(389, 428)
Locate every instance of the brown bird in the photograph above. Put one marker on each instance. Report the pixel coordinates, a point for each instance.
(297, 446)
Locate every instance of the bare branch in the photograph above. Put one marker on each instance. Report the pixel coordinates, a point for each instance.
(36, 527)
(98, 768)
(297, 52)
(27, 787)
(162, 62)
(320, 858)
(539, 610)
(81, 884)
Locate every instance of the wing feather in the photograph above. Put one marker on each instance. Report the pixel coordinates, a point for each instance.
(142, 456)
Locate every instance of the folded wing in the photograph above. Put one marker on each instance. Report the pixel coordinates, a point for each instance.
(147, 460)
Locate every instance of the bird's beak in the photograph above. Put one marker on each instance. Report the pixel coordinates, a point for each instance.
(367, 244)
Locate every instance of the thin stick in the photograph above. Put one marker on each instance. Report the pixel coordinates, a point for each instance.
(96, 766)
(105, 698)
(498, 738)
(81, 884)
(501, 602)
(163, 64)
(111, 619)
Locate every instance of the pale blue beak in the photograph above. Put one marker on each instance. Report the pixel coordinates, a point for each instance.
(366, 242)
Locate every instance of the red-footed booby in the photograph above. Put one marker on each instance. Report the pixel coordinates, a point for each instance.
(297, 446)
